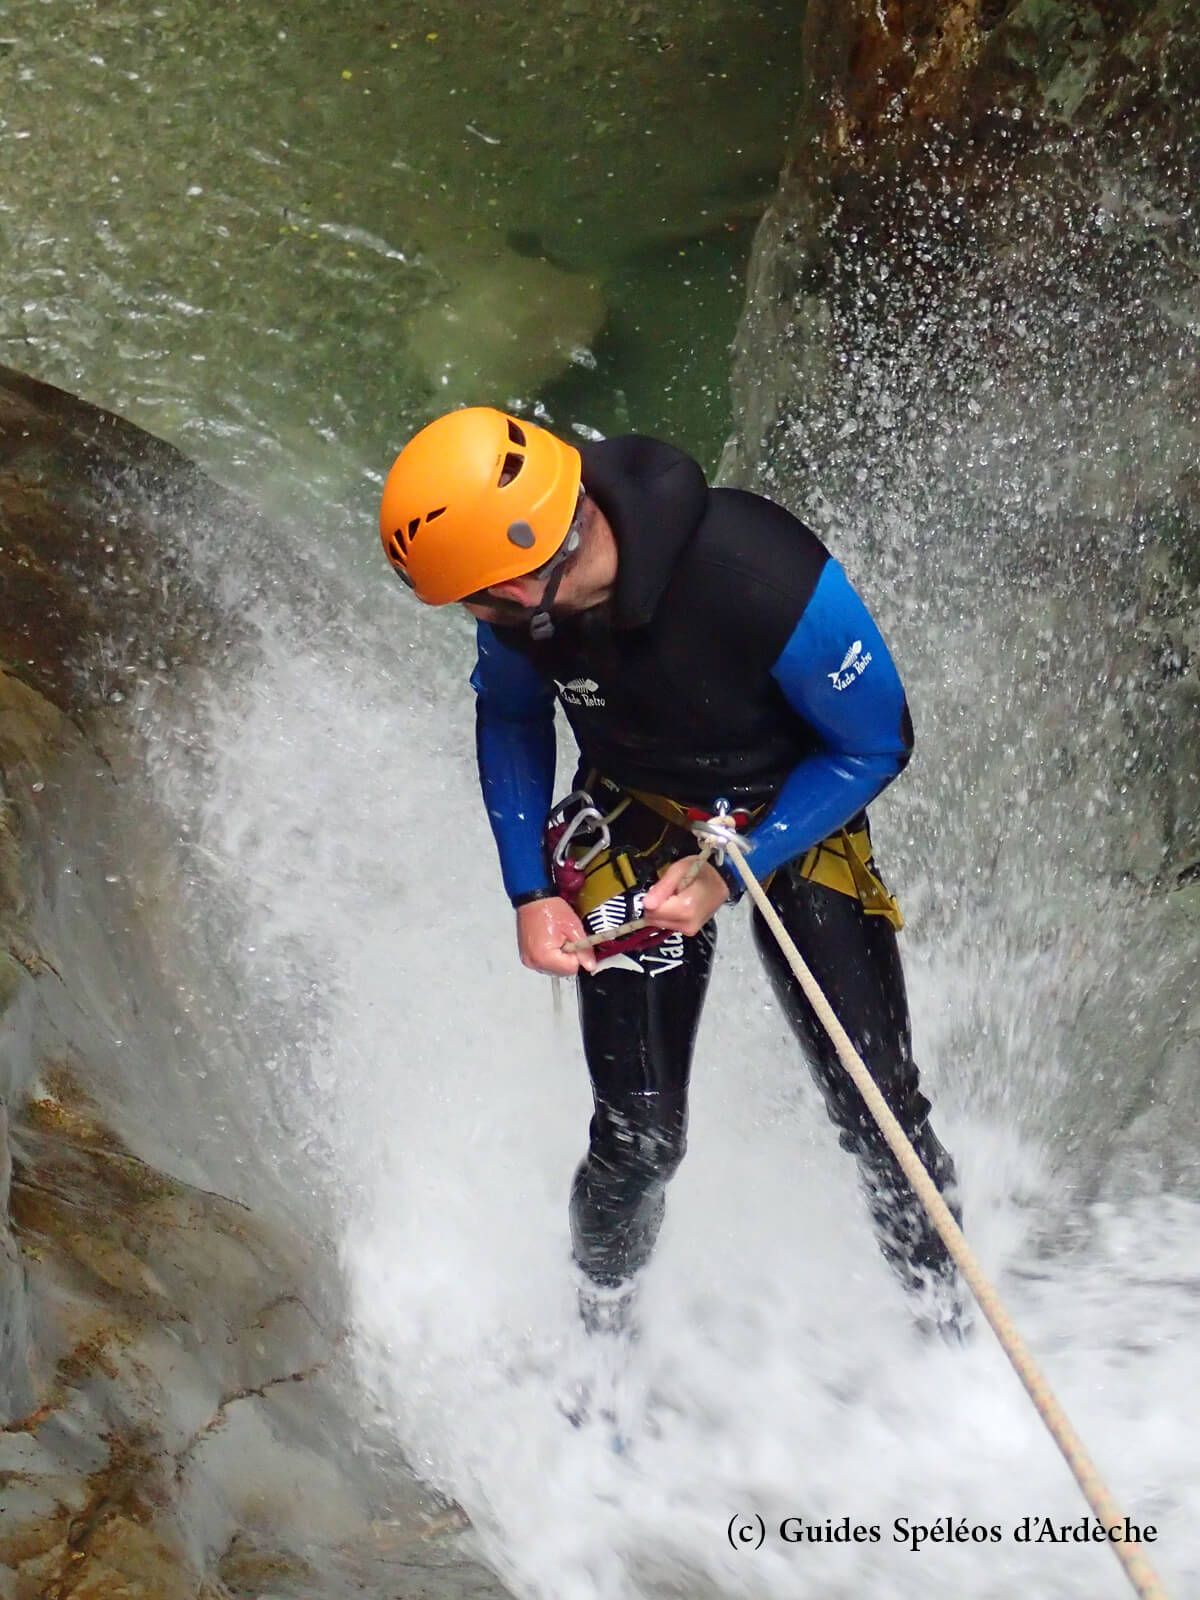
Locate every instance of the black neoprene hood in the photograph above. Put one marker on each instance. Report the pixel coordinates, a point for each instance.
(668, 688)
(648, 487)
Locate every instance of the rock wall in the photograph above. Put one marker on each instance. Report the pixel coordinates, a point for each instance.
(971, 332)
(1041, 150)
(170, 1379)
(968, 356)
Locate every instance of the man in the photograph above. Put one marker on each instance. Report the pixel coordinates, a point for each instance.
(709, 654)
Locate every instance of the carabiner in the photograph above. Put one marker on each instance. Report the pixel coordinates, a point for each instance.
(558, 814)
(586, 815)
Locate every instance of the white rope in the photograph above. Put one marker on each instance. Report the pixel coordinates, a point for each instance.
(1139, 1571)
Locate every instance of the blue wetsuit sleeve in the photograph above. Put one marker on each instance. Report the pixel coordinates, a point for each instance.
(836, 673)
(514, 741)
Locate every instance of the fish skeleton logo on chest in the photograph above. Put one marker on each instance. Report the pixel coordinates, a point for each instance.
(854, 664)
(580, 692)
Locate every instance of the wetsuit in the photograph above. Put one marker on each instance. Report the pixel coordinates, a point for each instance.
(734, 660)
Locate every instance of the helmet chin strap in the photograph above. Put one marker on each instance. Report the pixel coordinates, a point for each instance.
(541, 624)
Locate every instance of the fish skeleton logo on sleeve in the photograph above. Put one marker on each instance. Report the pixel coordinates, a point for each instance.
(580, 692)
(854, 664)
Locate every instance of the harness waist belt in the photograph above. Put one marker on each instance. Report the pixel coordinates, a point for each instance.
(843, 862)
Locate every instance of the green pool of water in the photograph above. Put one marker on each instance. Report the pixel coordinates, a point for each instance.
(284, 236)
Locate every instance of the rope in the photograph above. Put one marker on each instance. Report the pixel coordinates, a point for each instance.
(1139, 1571)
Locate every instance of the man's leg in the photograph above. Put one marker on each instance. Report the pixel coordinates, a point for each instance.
(639, 1028)
(856, 961)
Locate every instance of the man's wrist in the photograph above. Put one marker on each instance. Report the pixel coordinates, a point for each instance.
(530, 895)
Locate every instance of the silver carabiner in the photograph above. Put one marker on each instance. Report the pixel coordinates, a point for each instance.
(563, 805)
(587, 814)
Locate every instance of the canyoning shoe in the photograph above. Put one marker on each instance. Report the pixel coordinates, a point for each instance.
(945, 1312)
(608, 1310)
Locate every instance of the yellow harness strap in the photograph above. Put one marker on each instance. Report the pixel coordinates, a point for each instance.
(842, 862)
(610, 874)
(682, 816)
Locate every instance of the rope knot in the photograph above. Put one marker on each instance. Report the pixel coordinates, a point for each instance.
(718, 832)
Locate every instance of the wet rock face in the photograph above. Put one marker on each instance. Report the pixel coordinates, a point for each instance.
(172, 1404)
(970, 346)
(79, 493)
(972, 187)
(182, 1430)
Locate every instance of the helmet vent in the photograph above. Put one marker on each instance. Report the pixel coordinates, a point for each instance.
(430, 515)
(412, 528)
(516, 434)
(512, 465)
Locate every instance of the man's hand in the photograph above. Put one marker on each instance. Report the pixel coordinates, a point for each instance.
(543, 928)
(687, 910)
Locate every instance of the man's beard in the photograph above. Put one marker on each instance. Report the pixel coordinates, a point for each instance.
(510, 613)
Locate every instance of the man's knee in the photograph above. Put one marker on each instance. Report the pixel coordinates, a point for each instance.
(896, 1078)
(644, 1139)
(618, 1196)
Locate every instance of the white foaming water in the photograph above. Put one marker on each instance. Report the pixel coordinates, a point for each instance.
(444, 1105)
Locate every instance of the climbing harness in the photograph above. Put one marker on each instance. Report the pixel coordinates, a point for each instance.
(607, 887)
(611, 894)
(843, 862)
(1138, 1570)
(604, 886)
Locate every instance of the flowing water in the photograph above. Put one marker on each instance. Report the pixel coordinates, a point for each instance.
(206, 243)
(282, 240)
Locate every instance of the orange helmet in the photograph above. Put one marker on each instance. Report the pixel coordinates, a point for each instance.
(474, 499)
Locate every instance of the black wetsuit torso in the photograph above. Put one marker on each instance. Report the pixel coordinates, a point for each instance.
(668, 688)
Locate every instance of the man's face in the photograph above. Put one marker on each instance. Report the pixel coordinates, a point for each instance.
(502, 607)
